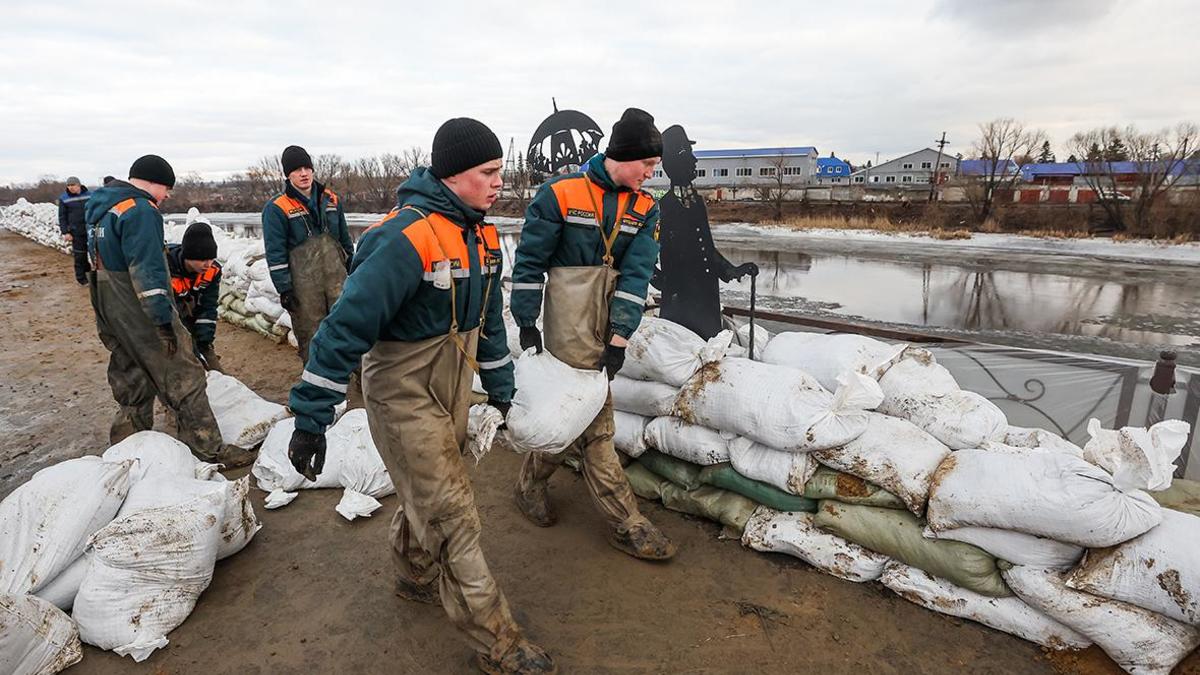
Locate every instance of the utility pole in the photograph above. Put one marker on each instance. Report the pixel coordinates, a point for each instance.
(933, 180)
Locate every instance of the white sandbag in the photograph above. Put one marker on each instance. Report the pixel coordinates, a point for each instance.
(483, 423)
(554, 403)
(793, 533)
(689, 442)
(741, 342)
(1159, 570)
(1140, 641)
(1017, 548)
(919, 390)
(240, 523)
(893, 454)
(788, 471)
(273, 471)
(642, 397)
(825, 356)
(1049, 494)
(362, 468)
(243, 416)
(45, 523)
(355, 504)
(1009, 615)
(629, 434)
(149, 568)
(62, 589)
(157, 455)
(279, 498)
(664, 351)
(36, 638)
(777, 406)
(1039, 439)
(1137, 458)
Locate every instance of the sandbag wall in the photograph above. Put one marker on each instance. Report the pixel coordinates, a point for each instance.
(921, 486)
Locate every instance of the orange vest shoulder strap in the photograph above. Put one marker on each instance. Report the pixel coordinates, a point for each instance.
(121, 207)
(289, 205)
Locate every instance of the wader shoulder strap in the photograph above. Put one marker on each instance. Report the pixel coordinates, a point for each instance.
(610, 238)
(454, 335)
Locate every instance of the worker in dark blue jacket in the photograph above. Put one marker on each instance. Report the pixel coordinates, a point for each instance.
(71, 204)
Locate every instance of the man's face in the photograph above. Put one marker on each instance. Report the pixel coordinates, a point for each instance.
(159, 192)
(633, 173)
(197, 266)
(301, 179)
(74, 189)
(479, 186)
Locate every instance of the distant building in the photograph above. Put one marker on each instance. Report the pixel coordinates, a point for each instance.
(747, 168)
(1075, 173)
(832, 171)
(908, 171)
(976, 168)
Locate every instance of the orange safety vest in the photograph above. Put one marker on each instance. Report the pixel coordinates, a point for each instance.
(579, 198)
(182, 286)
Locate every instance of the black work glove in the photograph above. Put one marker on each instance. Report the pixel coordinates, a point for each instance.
(613, 359)
(166, 337)
(502, 406)
(744, 269)
(531, 337)
(287, 300)
(307, 453)
(209, 357)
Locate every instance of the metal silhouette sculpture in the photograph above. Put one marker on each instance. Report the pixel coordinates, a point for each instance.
(691, 267)
(563, 141)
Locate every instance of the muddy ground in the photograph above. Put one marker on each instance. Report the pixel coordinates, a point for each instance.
(312, 592)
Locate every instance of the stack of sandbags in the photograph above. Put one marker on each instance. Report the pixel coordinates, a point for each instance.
(38, 222)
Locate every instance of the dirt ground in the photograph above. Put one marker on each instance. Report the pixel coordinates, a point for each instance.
(312, 592)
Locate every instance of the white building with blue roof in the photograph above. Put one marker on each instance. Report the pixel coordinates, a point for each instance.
(748, 168)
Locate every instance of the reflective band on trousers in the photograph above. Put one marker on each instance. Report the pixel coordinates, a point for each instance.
(312, 378)
(273, 268)
(152, 291)
(492, 365)
(205, 321)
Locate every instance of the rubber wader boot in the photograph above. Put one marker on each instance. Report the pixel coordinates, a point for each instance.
(534, 503)
(523, 657)
(644, 541)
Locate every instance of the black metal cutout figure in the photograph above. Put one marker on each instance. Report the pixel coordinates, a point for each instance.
(563, 142)
(690, 265)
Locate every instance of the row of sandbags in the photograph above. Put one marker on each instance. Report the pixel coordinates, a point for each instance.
(38, 222)
(126, 542)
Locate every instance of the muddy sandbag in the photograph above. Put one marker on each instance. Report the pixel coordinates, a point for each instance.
(919, 390)
(897, 534)
(36, 638)
(1183, 495)
(893, 454)
(829, 483)
(1017, 548)
(788, 471)
(149, 567)
(664, 351)
(554, 403)
(1158, 571)
(352, 460)
(645, 483)
(157, 455)
(794, 534)
(1049, 494)
(629, 433)
(243, 416)
(726, 477)
(689, 442)
(240, 522)
(1008, 615)
(720, 506)
(679, 472)
(1039, 439)
(641, 397)
(1140, 641)
(1138, 458)
(46, 522)
(777, 406)
(826, 356)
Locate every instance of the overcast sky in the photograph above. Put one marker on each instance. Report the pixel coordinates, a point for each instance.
(87, 87)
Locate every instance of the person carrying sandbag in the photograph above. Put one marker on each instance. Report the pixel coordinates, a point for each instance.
(151, 353)
(422, 310)
(196, 288)
(589, 245)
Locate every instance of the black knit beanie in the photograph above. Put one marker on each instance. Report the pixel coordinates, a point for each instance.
(154, 169)
(634, 137)
(198, 242)
(294, 157)
(463, 143)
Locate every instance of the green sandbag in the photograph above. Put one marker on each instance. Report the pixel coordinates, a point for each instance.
(238, 306)
(827, 483)
(645, 483)
(1183, 495)
(684, 474)
(897, 534)
(724, 476)
(718, 505)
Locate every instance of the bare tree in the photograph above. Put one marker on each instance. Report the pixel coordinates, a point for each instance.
(1002, 143)
(783, 179)
(1153, 160)
(264, 179)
